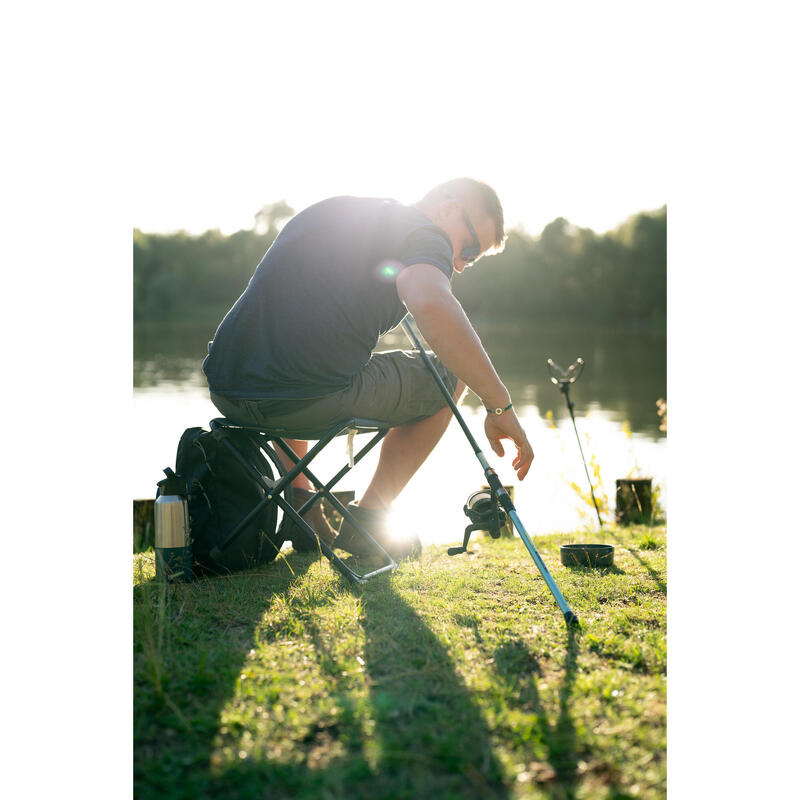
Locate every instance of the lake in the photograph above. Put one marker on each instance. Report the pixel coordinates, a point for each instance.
(615, 410)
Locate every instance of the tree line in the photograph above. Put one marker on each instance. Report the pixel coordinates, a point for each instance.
(566, 272)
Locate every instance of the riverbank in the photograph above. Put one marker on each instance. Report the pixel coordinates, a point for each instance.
(454, 677)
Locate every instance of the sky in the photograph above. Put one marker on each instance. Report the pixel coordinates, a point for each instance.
(298, 101)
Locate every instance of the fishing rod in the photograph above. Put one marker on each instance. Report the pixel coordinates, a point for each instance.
(494, 482)
(564, 378)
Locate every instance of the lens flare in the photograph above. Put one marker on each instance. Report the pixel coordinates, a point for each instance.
(387, 271)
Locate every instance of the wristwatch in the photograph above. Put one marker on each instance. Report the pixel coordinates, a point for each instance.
(498, 410)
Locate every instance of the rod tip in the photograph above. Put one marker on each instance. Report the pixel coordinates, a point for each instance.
(571, 618)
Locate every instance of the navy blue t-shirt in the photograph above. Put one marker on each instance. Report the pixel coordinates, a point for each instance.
(321, 297)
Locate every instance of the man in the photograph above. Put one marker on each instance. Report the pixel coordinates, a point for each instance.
(295, 350)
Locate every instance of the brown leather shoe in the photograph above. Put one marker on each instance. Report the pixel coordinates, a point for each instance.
(299, 538)
(377, 525)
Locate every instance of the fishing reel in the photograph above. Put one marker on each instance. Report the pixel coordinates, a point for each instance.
(485, 514)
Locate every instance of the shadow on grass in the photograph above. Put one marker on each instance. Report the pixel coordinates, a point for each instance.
(412, 729)
(557, 773)
(654, 574)
(430, 730)
(190, 644)
(418, 733)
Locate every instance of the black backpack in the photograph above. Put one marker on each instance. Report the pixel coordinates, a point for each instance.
(221, 492)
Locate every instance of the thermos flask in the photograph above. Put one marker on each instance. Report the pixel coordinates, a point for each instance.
(173, 543)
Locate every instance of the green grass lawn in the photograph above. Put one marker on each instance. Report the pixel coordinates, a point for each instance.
(455, 677)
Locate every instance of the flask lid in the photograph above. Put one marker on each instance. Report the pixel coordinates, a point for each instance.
(172, 484)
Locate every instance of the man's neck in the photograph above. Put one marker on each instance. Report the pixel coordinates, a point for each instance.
(424, 208)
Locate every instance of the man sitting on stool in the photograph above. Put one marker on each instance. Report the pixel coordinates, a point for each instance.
(295, 350)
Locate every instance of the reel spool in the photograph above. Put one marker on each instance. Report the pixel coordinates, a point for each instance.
(485, 514)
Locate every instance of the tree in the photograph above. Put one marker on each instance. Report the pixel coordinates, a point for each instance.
(565, 273)
(268, 217)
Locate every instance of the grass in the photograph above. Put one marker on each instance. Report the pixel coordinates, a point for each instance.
(452, 678)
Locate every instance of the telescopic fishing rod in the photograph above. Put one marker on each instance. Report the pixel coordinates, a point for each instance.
(564, 378)
(494, 482)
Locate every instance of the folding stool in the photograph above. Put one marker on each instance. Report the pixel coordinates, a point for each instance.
(264, 436)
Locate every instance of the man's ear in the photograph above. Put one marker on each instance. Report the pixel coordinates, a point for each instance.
(446, 209)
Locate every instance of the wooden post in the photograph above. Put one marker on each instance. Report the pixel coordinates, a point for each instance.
(634, 501)
(143, 530)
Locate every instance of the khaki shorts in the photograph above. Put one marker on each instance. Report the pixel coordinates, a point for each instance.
(394, 387)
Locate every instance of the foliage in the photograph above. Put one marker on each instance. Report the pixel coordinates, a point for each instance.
(661, 406)
(586, 509)
(565, 273)
(648, 542)
(453, 677)
(182, 277)
(657, 514)
(268, 217)
(574, 273)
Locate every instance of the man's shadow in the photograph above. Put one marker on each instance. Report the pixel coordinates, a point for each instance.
(421, 726)
(429, 737)
(186, 670)
(430, 730)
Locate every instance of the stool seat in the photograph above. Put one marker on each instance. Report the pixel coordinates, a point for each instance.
(264, 436)
(359, 424)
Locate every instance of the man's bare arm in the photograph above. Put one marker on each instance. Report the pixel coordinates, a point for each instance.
(426, 293)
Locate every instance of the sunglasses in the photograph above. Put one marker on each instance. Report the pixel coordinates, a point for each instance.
(471, 251)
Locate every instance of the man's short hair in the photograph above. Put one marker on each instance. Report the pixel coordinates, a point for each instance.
(476, 194)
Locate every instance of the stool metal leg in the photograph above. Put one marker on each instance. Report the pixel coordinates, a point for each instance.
(325, 490)
(273, 493)
(349, 573)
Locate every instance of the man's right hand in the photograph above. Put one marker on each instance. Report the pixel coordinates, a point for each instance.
(507, 426)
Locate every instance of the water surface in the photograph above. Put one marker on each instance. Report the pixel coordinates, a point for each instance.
(615, 408)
